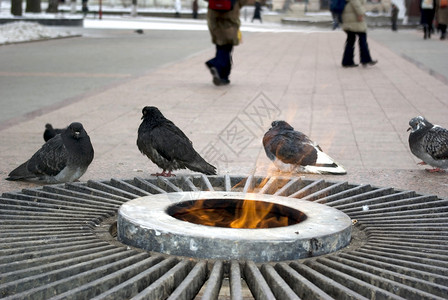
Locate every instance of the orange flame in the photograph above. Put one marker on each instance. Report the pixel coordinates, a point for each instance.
(233, 214)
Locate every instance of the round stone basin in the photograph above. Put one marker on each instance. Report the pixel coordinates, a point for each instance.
(313, 229)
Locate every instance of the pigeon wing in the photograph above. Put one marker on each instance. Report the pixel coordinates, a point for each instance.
(50, 159)
(172, 144)
(293, 147)
(436, 142)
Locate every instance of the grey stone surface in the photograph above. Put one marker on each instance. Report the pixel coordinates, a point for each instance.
(145, 223)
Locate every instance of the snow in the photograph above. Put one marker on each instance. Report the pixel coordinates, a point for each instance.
(27, 31)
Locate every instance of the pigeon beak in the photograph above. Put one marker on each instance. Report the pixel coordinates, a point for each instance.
(409, 128)
(77, 134)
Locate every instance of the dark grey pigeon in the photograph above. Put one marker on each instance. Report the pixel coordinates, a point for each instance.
(50, 132)
(64, 158)
(167, 146)
(292, 151)
(429, 143)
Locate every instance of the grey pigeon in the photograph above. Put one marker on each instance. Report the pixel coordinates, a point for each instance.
(293, 151)
(50, 132)
(64, 158)
(429, 143)
(167, 146)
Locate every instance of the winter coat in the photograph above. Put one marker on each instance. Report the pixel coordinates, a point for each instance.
(257, 11)
(441, 14)
(427, 14)
(352, 10)
(224, 26)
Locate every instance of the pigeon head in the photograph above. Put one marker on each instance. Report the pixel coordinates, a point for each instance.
(281, 125)
(151, 112)
(76, 130)
(48, 126)
(419, 123)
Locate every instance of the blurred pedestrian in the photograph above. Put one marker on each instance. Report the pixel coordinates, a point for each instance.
(442, 17)
(85, 9)
(336, 9)
(195, 8)
(427, 8)
(394, 16)
(257, 11)
(354, 24)
(224, 27)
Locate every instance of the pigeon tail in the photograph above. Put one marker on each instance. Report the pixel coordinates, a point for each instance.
(326, 165)
(203, 167)
(20, 173)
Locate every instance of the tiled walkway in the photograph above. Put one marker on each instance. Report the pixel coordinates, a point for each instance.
(359, 116)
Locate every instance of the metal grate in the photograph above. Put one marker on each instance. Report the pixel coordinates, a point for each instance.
(57, 242)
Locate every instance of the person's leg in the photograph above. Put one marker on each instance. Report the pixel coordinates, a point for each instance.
(220, 65)
(225, 57)
(347, 59)
(335, 20)
(425, 31)
(394, 23)
(364, 52)
(442, 31)
(213, 66)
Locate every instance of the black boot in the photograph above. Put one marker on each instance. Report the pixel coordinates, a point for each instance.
(442, 28)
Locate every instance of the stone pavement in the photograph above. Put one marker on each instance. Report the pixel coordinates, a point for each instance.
(359, 116)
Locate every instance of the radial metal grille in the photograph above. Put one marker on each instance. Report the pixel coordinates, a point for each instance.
(57, 242)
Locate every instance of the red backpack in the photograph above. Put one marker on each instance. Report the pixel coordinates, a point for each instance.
(221, 5)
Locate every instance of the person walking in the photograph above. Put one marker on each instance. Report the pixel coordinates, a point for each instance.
(442, 17)
(336, 9)
(427, 8)
(195, 8)
(394, 16)
(257, 11)
(224, 28)
(354, 24)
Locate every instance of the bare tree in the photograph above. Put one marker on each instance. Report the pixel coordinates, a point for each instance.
(16, 7)
(52, 6)
(33, 6)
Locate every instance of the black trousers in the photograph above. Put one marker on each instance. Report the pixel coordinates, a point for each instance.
(349, 51)
(442, 28)
(222, 60)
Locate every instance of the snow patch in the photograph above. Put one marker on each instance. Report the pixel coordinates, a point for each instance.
(27, 31)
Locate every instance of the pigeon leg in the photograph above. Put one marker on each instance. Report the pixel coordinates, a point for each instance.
(435, 170)
(164, 174)
(159, 174)
(422, 163)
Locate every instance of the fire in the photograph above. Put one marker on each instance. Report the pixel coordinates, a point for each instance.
(240, 213)
(254, 215)
(233, 214)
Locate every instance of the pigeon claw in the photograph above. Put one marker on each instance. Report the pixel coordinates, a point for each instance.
(435, 170)
(422, 163)
(164, 174)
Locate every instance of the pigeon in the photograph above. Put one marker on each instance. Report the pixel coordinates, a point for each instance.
(64, 158)
(293, 151)
(167, 146)
(429, 143)
(50, 132)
